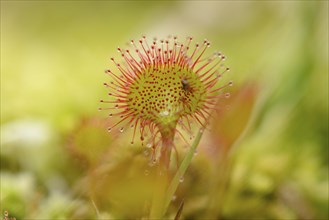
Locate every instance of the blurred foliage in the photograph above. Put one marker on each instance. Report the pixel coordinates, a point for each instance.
(266, 159)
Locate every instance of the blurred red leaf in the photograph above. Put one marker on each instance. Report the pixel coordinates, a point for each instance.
(231, 121)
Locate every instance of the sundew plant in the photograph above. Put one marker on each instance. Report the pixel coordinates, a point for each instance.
(180, 110)
(159, 89)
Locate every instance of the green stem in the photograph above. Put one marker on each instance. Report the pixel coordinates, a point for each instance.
(162, 176)
(180, 172)
(160, 185)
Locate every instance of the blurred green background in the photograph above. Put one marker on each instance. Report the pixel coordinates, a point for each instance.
(54, 53)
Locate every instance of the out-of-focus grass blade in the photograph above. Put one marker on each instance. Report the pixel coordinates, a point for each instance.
(181, 171)
(96, 209)
(179, 212)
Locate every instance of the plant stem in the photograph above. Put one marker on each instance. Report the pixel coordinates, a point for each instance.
(181, 171)
(167, 145)
(162, 176)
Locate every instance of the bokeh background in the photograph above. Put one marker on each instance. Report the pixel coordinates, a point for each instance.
(267, 157)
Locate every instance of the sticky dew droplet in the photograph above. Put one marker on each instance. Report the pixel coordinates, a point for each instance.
(181, 179)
